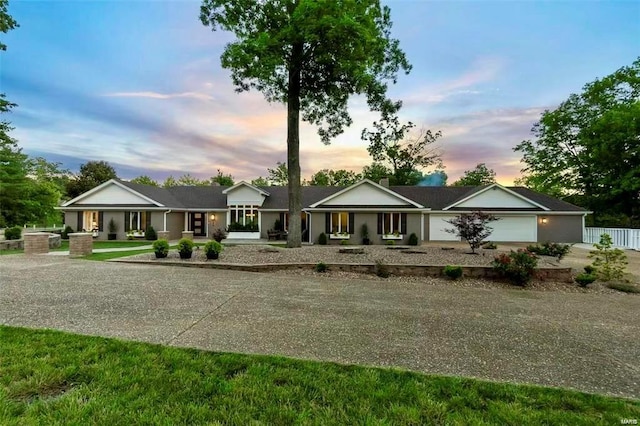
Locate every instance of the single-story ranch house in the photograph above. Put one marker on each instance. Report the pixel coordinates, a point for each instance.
(389, 212)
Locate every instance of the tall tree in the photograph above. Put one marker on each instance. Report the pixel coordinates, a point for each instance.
(260, 181)
(222, 179)
(391, 143)
(144, 180)
(588, 149)
(376, 172)
(169, 182)
(480, 175)
(92, 174)
(340, 177)
(312, 56)
(278, 176)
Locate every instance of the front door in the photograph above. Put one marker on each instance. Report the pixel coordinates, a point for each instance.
(198, 224)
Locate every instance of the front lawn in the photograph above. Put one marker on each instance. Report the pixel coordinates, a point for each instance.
(64, 246)
(49, 377)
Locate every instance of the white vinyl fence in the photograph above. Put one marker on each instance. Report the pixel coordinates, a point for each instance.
(622, 237)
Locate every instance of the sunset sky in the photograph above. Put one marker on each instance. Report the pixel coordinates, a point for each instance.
(139, 84)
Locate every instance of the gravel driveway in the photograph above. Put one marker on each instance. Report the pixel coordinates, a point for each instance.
(586, 341)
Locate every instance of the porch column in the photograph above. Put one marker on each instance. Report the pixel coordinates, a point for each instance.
(186, 221)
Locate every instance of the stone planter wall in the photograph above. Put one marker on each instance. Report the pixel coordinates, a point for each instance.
(80, 244)
(188, 235)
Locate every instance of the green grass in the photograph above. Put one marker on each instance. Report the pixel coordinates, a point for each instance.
(115, 254)
(49, 377)
(64, 246)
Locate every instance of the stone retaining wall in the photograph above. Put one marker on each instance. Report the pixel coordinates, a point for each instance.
(542, 274)
(55, 241)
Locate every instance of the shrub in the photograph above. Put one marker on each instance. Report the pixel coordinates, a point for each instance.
(161, 248)
(112, 226)
(413, 239)
(391, 242)
(219, 235)
(585, 279)
(322, 239)
(382, 270)
(185, 248)
(624, 287)
(14, 233)
(472, 227)
(550, 249)
(65, 233)
(239, 227)
(489, 245)
(321, 267)
(150, 234)
(344, 242)
(212, 249)
(609, 262)
(517, 266)
(589, 269)
(453, 272)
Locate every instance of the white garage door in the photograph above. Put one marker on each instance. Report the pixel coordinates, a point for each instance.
(437, 225)
(508, 228)
(514, 228)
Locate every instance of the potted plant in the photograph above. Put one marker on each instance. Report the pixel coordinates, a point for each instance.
(113, 230)
(161, 248)
(213, 249)
(185, 248)
(365, 234)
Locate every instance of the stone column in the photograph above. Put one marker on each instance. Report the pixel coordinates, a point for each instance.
(80, 244)
(188, 235)
(163, 235)
(36, 243)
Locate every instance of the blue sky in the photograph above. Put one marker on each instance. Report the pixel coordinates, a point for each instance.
(139, 84)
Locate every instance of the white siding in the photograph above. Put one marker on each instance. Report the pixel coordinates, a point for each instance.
(437, 226)
(243, 195)
(495, 197)
(365, 195)
(112, 194)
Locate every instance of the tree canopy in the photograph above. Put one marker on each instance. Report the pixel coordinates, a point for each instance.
(92, 174)
(311, 56)
(392, 144)
(480, 175)
(144, 180)
(588, 149)
(222, 179)
(340, 177)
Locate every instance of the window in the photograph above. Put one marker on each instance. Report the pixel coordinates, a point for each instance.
(391, 223)
(138, 221)
(339, 222)
(244, 215)
(90, 221)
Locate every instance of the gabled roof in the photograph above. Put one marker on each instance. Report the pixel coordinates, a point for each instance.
(366, 182)
(247, 184)
(481, 190)
(118, 183)
(434, 197)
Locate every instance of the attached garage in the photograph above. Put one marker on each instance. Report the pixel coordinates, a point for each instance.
(514, 228)
(508, 228)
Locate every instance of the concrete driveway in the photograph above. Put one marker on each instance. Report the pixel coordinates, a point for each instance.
(585, 341)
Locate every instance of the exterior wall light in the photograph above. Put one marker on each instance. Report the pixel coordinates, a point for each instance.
(543, 220)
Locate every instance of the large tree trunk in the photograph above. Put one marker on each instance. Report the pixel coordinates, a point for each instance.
(293, 147)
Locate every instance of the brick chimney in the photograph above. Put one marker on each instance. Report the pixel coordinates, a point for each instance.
(384, 182)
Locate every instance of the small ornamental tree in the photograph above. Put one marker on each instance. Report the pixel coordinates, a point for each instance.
(473, 227)
(608, 262)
